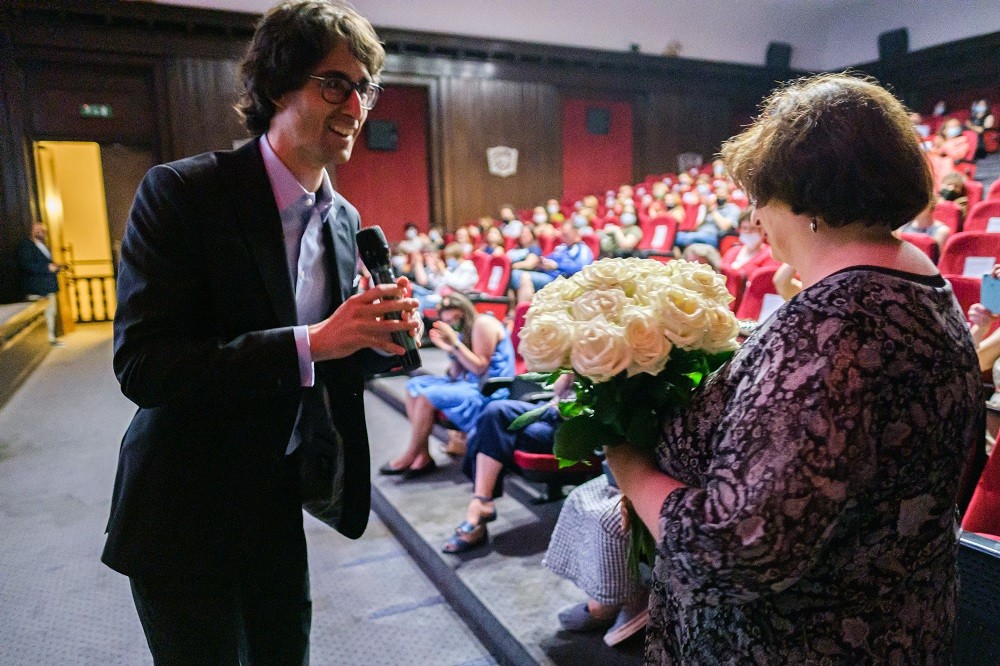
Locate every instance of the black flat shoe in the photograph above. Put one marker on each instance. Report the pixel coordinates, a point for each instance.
(388, 470)
(429, 468)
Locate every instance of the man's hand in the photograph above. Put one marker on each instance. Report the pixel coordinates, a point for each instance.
(359, 323)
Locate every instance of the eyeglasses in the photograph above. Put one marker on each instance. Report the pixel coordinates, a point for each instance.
(337, 89)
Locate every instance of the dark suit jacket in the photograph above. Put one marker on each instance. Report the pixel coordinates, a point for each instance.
(36, 278)
(204, 346)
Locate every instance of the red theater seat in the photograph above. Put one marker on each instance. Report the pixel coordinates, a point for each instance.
(967, 290)
(984, 216)
(759, 284)
(994, 192)
(965, 253)
(948, 213)
(658, 237)
(974, 191)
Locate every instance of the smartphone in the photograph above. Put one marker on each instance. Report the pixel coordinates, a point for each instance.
(989, 294)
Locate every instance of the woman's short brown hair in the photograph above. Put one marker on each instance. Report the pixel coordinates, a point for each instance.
(836, 146)
(290, 40)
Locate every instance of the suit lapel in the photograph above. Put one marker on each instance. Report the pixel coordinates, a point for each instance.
(261, 224)
(341, 229)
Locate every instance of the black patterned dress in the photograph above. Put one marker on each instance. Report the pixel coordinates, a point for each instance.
(823, 463)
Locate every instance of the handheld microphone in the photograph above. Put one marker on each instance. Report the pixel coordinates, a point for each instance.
(374, 251)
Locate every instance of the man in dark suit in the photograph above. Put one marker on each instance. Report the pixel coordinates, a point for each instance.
(238, 337)
(38, 274)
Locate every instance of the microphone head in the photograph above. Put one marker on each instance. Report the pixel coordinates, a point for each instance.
(373, 248)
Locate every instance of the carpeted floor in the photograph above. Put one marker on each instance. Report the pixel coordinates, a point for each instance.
(59, 605)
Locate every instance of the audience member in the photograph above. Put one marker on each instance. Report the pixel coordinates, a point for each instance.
(553, 210)
(567, 258)
(479, 347)
(719, 219)
(511, 225)
(953, 189)
(987, 343)
(702, 253)
(490, 449)
(621, 241)
(463, 236)
(980, 120)
(432, 280)
(540, 218)
(589, 548)
(38, 275)
(742, 259)
(493, 242)
(950, 146)
(924, 223)
(413, 241)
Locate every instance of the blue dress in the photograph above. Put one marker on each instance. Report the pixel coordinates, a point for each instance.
(460, 399)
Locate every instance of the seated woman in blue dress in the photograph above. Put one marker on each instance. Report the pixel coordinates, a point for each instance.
(480, 348)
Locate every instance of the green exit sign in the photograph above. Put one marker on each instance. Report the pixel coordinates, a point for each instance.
(95, 110)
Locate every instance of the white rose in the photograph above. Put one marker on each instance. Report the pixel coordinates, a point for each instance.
(723, 327)
(603, 274)
(608, 302)
(701, 279)
(683, 314)
(644, 334)
(600, 351)
(545, 341)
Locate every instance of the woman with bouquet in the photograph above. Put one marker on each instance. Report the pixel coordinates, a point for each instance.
(803, 504)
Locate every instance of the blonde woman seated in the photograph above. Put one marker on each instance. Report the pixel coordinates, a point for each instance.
(479, 347)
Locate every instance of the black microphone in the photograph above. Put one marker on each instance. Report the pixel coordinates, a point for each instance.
(374, 251)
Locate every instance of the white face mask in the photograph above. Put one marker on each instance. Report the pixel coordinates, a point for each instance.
(627, 218)
(750, 238)
(435, 236)
(411, 233)
(579, 221)
(552, 209)
(978, 108)
(452, 264)
(703, 188)
(952, 132)
(718, 170)
(538, 218)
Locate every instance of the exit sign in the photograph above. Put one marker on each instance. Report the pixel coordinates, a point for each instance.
(95, 110)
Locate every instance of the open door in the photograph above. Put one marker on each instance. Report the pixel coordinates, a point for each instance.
(74, 208)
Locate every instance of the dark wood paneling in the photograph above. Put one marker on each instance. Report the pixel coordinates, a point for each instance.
(671, 124)
(200, 97)
(124, 168)
(479, 114)
(56, 92)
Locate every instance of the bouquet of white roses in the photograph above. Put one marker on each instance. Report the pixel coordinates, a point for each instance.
(639, 336)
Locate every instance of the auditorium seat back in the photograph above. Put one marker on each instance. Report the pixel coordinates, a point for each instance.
(926, 243)
(759, 285)
(974, 192)
(966, 290)
(948, 213)
(984, 216)
(970, 253)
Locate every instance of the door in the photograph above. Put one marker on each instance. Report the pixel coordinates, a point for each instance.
(74, 208)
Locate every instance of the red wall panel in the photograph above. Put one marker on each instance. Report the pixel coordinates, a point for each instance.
(390, 188)
(593, 163)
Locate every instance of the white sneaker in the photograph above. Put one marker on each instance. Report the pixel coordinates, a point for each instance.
(631, 619)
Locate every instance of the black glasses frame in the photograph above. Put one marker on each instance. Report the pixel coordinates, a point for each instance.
(367, 91)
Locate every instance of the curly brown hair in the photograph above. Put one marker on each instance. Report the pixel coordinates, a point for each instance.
(290, 40)
(835, 146)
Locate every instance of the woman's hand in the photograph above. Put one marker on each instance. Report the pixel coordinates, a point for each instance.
(979, 315)
(443, 336)
(624, 506)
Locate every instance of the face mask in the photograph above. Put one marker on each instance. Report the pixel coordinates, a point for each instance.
(398, 262)
(704, 188)
(538, 218)
(952, 132)
(939, 109)
(552, 209)
(411, 233)
(640, 191)
(628, 218)
(721, 201)
(579, 221)
(578, 205)
(435, 236)
(609, 202)
(978, 109)
(750, 239)
(457, 326)
(452, 264)
(718, 170)
(948, 194)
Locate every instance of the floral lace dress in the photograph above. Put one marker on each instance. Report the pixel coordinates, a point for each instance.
(823, 462)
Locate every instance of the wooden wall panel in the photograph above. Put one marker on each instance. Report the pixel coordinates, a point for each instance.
(200, 98)
(57, 90)
(671, 123)
(482, 113)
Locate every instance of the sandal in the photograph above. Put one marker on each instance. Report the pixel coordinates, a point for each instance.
(489, 517)
(466, 537)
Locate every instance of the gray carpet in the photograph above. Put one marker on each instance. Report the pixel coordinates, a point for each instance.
(59, 605)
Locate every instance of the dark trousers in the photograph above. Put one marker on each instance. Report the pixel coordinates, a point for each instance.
(251, 615)
(493, 439)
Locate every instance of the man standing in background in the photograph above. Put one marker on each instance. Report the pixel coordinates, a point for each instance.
(238, 337)
(38, 275)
